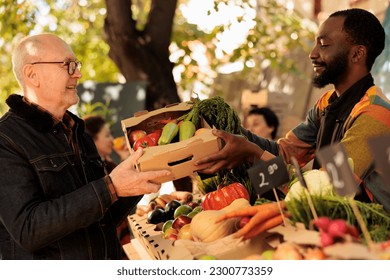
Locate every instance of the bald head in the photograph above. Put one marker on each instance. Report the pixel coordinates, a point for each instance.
(32, 49)
(41, 64)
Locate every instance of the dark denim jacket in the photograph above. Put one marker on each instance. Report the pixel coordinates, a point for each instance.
(47, 210)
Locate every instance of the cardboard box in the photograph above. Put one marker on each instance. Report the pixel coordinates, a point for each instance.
(176, 157)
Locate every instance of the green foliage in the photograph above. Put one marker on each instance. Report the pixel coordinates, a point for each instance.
(277, 32)
(262, 200)
(97, 108)
(140, 10)
(217, 113)
(274, 34)
(207, 185)
(79, 24)
(16, 21)
(82, 27)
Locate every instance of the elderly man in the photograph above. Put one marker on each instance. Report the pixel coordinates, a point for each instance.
(56, 201)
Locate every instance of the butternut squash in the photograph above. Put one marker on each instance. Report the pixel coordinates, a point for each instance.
(204, 227)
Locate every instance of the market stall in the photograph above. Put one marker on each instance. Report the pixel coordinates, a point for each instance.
(309, 215)
(161, 241)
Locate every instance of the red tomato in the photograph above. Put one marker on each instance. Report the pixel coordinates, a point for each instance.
(144, 142)
(223, 196)
(135, 135)
(155, 135)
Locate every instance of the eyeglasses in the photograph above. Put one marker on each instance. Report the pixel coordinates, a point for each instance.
(72, 65)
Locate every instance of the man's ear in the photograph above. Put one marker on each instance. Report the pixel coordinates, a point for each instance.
(30, 76)
(359, 53)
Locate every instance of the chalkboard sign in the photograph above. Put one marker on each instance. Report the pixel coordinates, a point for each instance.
(124, 99)
(266, 175)
(380, 147)
(334, 160)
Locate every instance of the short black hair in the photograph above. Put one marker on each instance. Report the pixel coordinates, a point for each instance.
(364, 28)
(270, 118)
(93, 124)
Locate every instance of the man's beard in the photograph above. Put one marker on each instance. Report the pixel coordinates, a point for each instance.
(333, 72)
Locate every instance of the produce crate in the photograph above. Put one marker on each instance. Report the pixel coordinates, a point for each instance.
(227, 248)
(150, 237)
(177, 157)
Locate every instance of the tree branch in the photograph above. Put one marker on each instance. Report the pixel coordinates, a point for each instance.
(158, 30)
(121, 35)
(143, 56)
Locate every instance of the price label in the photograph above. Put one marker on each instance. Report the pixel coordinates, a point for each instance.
(334, 160)
(380, 148)
(267, 175)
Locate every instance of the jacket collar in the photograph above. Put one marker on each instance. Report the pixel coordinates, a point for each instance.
(40, 120)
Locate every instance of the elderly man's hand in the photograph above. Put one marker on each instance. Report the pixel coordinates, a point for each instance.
(237, 149)
(130, 182)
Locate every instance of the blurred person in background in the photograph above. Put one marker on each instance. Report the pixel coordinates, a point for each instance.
(100, 131)
(263, 122)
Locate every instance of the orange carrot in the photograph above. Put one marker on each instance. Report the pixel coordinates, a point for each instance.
(263, 217)
(260, 211)
(265, 225)
(260, 218)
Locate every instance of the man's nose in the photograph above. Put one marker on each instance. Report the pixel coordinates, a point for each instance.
(314, 53)
(77, 73)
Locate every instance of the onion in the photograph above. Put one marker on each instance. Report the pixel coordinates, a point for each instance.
(315, 254)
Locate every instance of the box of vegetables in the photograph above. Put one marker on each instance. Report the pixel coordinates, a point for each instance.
(173, 138)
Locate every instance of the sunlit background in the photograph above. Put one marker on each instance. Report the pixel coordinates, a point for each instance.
(260, 71)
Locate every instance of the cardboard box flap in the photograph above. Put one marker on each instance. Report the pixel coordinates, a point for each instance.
(226, 248)
(149, 121)
(298, 234)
